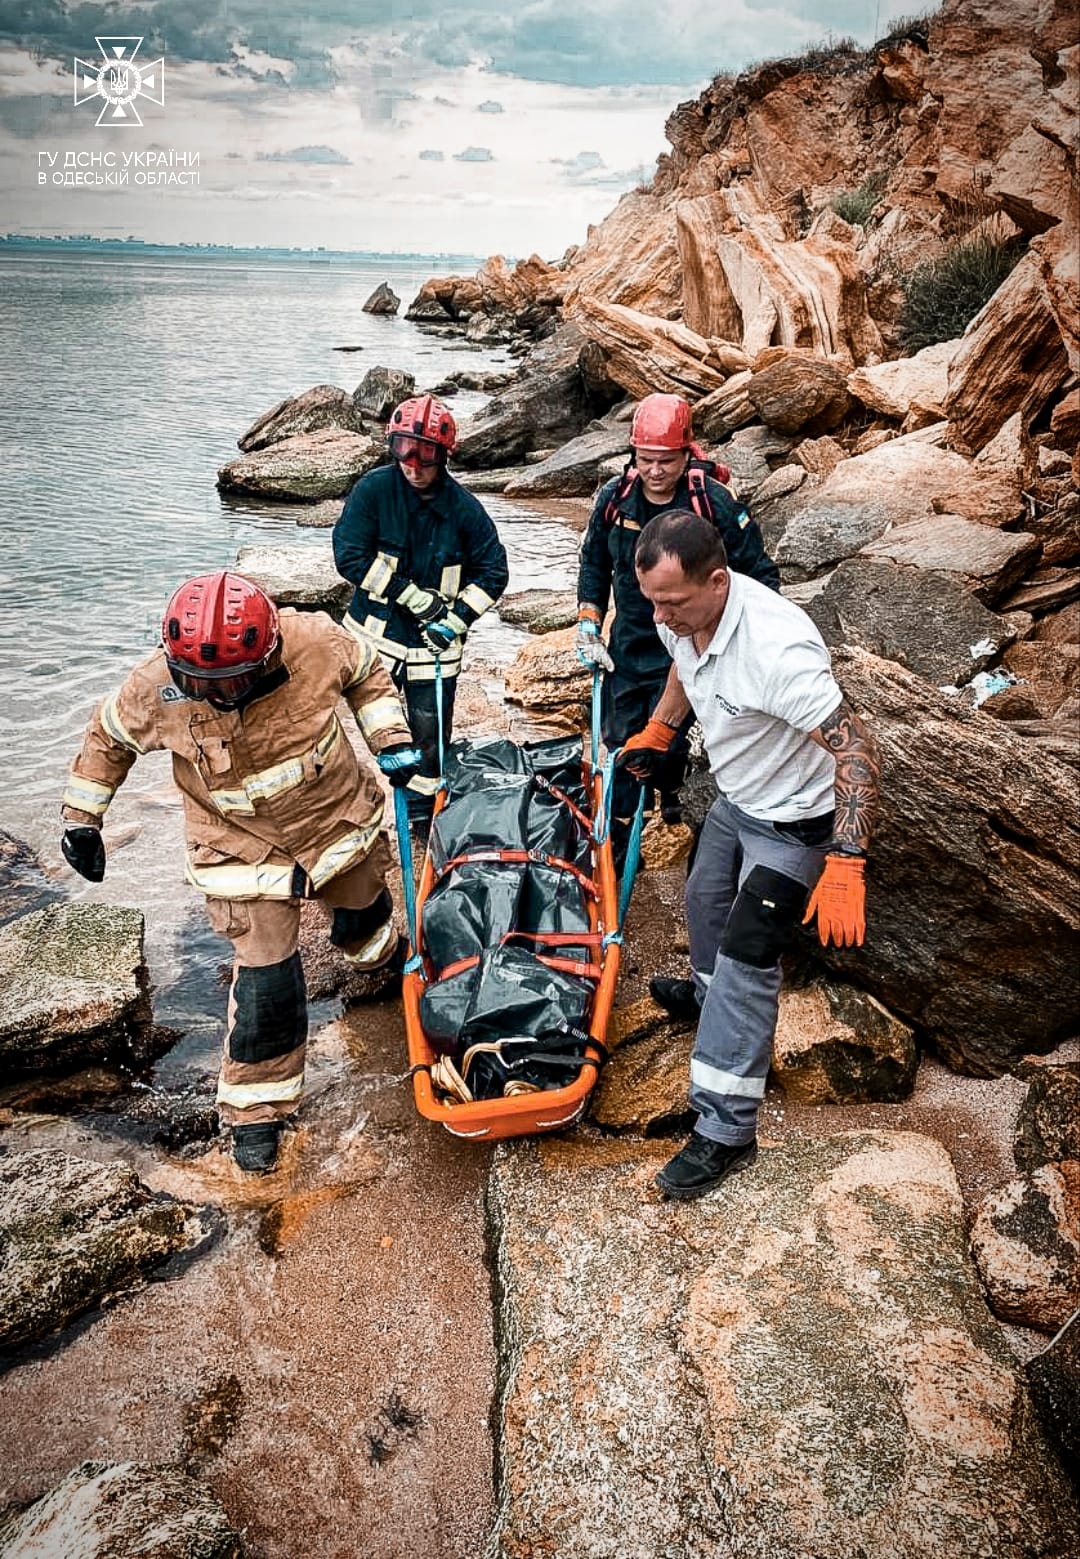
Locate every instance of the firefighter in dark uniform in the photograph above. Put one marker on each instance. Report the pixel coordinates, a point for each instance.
(666, 471)
(426, 561)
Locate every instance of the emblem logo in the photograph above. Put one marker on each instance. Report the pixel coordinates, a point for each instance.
(118, 81)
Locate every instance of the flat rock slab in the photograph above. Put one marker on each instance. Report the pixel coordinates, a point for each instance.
(324, 406)
(75, 1232)
(540, 611)
(304, 576)
(989, 561)
(890, 388)
(305, 467)
(801, 1364)
(129, 1510)
(920, 618)
(73, 989)
(572, 470)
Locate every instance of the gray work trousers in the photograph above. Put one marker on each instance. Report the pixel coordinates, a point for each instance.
(745, 895)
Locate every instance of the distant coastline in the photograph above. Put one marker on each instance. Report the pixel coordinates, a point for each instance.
(85, 242)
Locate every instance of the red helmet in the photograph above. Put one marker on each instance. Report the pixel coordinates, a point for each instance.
(421, 431)
(220, 632)
(661, 422)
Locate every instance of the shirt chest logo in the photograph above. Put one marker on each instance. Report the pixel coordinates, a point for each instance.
(729, 709)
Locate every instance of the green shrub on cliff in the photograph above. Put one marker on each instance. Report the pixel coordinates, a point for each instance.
(942, 296)
(855, 205)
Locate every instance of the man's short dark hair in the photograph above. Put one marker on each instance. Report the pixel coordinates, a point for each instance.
(693, 541)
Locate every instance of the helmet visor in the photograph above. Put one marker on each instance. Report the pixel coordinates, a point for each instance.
(413, 451)
(223, 687)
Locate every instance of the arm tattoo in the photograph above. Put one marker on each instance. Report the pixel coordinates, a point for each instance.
(857, 768)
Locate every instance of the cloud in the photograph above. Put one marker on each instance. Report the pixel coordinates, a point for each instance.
(475, 154)
(324, 155)
(429, 154)
(489, 107)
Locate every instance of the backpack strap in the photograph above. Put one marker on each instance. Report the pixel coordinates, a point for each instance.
(700, 501)
(626, 486)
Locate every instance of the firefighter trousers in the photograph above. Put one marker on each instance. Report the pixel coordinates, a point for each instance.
(262, 1066)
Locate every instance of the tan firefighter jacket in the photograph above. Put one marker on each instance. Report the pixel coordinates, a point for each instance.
(266, 788)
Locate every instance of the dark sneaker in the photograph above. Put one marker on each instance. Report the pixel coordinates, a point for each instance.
(702, 1164)
(255, 1147)
(677, 997)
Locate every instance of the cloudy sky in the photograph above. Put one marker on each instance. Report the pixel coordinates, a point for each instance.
(401, 125)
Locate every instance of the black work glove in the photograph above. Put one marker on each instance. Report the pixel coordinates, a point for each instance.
(84, 849)
(399, 763)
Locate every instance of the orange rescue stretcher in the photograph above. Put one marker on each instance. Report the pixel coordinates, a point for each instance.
(549, 1108)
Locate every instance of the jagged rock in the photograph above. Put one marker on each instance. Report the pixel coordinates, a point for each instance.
(745, 281)
(1010, 359)
(427, 310)
(1061, 626)
(752, 454)
(1031, 180)
(324, 406)
(540, 611)
(645, 1087)
(546, 677)
(73, 989)
(781, 482)
(644, 353)
(1056, 255)
(632, 258)
(1026, 1241)
(819, 456)
(836, 1045)
(75, 1233)
(380, 390)
(544, 406)
(921, 618)
(302, 576)
(571, 472)
(972, 896)
(1045, 589)
(989, 561)
(305, 467)
(799, 393)
(320, 516)
(860, 500)
(1049, 676)
(754, 1365)
(1048, 1126)
(891, 388)
(1065, 421)
(991, 489)
(718, 414)
(127, 1510)
(1054, 1382)
(384, 300)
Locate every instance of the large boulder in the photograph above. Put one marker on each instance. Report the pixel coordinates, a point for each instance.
(74, 1233)
(540, 611)
(302, 576)
(1026, 1240)
(74, 990)
(893, 388)
(1048, 1126)
(643, 352)
(380, 390)
(801, 1365)
(126, 1510)
(923, 618)
(324, 406)
(547, 678)
(571, 472)
(973, 895)
(836, 1045)
(989, 561)
(645, 1087)
(305, 467)
(546, 405)
(798, 392)
(384, 300)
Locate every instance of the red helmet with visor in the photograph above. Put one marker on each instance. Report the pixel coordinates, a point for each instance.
(421, 432)
(220, 634)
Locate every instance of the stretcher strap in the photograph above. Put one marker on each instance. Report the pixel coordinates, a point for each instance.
(595, 716)
(560, 795)
(563, 965)
(401, 826)
(519, 858)
(633, 859)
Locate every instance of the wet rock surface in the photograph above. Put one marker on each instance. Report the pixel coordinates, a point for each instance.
(128, 1511)
(73, 989)
(73, 1234)
(324, 406)
(800, 1363)
(23, 884)
(540, 611)
(305, 467)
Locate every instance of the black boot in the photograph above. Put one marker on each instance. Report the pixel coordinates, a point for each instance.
(702, 1164)
(678, 997)
(255, 1147)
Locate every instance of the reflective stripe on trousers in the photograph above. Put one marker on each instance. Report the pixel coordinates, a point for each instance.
(730, 1061)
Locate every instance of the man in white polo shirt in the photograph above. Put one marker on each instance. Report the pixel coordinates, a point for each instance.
(797, 776)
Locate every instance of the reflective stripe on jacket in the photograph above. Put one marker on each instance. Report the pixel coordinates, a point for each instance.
(266, 788)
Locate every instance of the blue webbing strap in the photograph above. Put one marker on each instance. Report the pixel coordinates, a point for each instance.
(595, 715)
(439, 712)
(633, 859)
(401, 824)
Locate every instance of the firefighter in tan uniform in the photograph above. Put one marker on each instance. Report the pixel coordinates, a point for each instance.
(277, 808)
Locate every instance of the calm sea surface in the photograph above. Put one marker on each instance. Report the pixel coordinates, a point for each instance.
(128, 381)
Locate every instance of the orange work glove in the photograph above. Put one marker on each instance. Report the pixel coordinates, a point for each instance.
(839, 902)
(643, 753)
